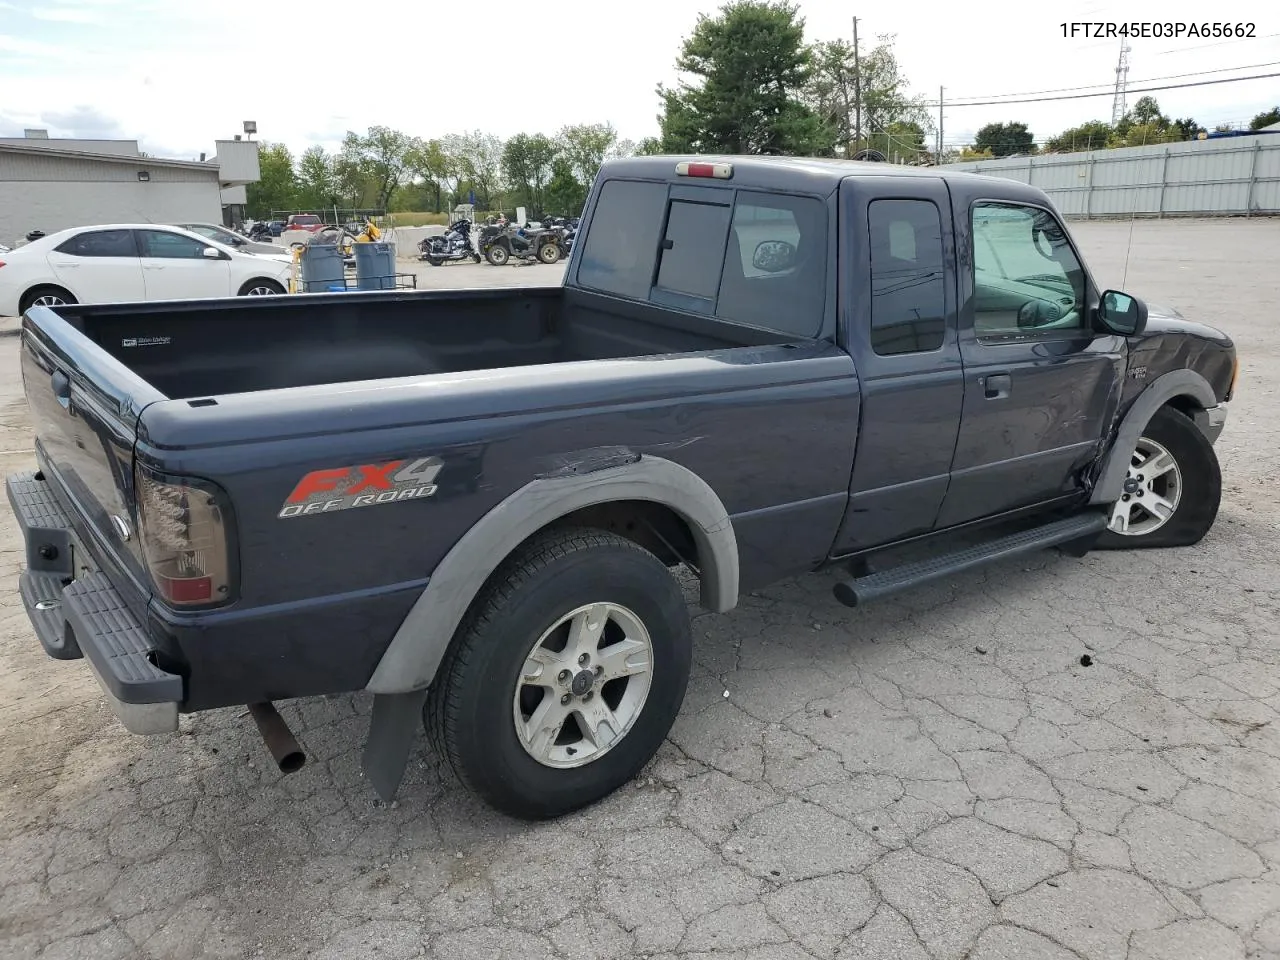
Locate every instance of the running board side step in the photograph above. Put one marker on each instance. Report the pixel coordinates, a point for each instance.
(1078, 532)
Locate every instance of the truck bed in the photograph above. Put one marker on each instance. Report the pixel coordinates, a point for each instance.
(193, 349)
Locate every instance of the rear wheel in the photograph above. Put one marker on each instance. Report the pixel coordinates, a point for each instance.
(47, 296)
(497, 255)
(435, 261)
(1172, 489)
(261, 287)
(549, 252)
(566, 676)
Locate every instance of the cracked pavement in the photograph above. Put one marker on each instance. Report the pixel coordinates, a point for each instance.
(934, 777)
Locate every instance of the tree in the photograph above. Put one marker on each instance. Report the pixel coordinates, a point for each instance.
(838, 87)
(277, 186)
(317, 182)
(429, 162)
(649, 147)
(1147, 111)
(1188, 129)
(585, 147)
(1092, 135)
(565, 196)
(478, 157)
(526, 164)
(381, 158)
(1265, 119)
(750, 67)
(1005, 139)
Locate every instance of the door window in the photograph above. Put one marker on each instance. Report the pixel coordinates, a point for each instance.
(908, 287)
(1027, 281)
(100, 243)
(170, 246)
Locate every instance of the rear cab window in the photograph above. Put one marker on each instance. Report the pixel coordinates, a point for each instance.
(744, 256)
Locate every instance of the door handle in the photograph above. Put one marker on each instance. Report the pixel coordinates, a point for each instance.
(997, 386)
(61, 384)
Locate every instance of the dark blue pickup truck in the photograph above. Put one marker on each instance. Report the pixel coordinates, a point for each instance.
(469, 503)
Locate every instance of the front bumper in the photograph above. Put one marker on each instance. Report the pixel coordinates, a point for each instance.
(77, 612)
(1212, 421)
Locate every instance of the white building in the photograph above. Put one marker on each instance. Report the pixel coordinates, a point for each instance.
(50, 184)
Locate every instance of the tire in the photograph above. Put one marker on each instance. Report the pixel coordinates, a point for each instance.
(1190, 481)
(435, 261)
(476, 257)
(261, 287)
(497, 255)
(483, 697)
(549, 253)
(45, 296)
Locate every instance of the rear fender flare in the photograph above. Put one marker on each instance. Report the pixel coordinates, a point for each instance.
(416, 651)
(1161, 390)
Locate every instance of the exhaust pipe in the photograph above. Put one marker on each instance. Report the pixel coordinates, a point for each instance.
(284, 748)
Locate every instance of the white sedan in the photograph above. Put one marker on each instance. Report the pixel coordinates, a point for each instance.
(124, 262)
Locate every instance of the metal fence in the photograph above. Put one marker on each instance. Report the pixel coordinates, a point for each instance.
(1238, 176)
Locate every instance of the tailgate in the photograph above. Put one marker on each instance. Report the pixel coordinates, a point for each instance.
(84, 407)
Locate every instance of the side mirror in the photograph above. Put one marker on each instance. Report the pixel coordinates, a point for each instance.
(774, 256)
(1122, 314)
(212, 253)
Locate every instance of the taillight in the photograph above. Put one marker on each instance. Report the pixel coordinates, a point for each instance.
(689, 168)
(183, 529)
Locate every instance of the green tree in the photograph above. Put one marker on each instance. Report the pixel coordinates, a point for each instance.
(1092, 135)
(477, 157)
(429, 162)
(838, 86)
(585, 147)
(277, 186)
(649, 147)
(382, 158)
(526, 164)
(751, 66)
(1005, 139)
(317, 182)
(1188, 129)
(1265, 119)
(565, 195)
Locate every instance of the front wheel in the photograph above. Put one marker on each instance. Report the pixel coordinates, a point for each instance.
(1171, 491)
(497, 255)
(549, 253)
(261, 288)
(566, 676)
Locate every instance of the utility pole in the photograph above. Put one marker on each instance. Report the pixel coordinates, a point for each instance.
(940, 126)
(857, 91)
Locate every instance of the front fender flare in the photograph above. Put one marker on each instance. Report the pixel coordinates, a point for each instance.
(1160, 391)
(416, 651)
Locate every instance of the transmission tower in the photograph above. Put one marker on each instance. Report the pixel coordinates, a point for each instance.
(1118, 105)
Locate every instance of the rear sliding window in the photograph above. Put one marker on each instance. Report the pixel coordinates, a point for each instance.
(755, 258)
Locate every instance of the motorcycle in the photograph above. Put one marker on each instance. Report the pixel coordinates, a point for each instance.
(453, 244)
(500, 242)
(260, 232)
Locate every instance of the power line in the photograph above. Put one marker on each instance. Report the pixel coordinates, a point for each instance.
(1105, 93)
(1111, 86)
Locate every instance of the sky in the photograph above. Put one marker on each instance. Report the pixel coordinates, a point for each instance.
(178, 74)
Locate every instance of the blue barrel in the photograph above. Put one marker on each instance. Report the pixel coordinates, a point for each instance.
(322, 268)
(375, 265)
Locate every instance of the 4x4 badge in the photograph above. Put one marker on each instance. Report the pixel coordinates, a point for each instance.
(362, 485)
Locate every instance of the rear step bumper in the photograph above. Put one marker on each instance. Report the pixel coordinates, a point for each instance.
(86, 616)
(1079, 531)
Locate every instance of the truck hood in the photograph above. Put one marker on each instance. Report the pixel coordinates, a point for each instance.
(1167, 320)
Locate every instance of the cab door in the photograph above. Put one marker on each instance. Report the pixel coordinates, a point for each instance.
(899, 313)
(1041, 384)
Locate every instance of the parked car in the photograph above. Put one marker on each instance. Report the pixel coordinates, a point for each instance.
(303, 221)
(115, 263)
(236, 241)
(276, 227)
(468, 502)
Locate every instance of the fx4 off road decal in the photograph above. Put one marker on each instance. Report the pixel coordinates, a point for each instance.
(363, 485)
